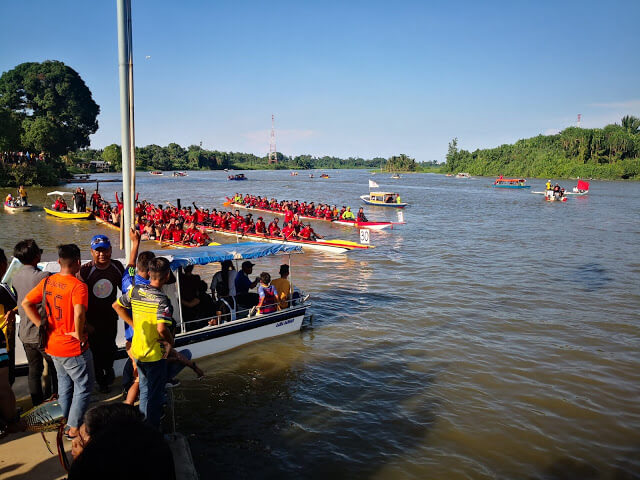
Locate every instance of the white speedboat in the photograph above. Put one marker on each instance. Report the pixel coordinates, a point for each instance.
(229, 334)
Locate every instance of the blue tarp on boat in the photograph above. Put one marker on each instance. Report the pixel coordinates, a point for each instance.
(218, 253)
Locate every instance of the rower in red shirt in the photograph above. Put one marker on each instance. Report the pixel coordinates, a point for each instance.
(274, 229)
(261, 227)
(288, 231)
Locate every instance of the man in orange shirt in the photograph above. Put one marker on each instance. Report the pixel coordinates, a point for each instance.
(66, 301)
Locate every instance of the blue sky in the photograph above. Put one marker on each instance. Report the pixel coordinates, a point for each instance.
(345, 78)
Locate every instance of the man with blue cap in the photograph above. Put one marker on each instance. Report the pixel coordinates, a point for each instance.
(103, 277)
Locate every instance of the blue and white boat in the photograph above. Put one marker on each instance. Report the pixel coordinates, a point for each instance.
(237, 330)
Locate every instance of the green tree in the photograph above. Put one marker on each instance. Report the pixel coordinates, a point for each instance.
(631, 124)
(113, 155)
(53, 105)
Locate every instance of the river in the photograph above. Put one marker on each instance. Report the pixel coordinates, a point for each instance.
(494, 335)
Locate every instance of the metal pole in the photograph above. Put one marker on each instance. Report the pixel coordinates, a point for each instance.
(124, 16)
(132, 132)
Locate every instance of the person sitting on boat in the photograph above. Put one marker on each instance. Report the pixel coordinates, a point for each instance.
(288, 232)
(388, 199)
(348, 214)
(225, 307)
(283, 287)
(200, 237)
(9, 200)
(307, 233)
(267, 294)
(226, 276)
(274, 228)
(361, 216)
(398, 200)
(547, 185)
(261, 227)
(556, 191)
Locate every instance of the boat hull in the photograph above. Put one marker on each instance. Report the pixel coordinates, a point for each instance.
(330, 246)
(365, 199)
(511, 186)
(69, 215)
(10, 209)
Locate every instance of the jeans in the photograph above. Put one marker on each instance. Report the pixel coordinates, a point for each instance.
(152, 377)
(75, 383)
(36, 358)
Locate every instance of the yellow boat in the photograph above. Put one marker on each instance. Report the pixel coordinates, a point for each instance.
(66, 214)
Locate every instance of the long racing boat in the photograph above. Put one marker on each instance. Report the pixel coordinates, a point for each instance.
(331, 246)
(348, 223)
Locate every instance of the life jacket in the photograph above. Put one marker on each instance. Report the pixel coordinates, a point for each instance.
(268, 303)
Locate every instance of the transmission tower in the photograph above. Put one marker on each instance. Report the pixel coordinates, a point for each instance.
(579, 120)
(273, 156)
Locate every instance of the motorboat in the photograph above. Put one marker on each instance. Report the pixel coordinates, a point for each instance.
(463, 175)
(511, 183)
(69, 213)
(239, 176)
(16, 207)
(156, 172)
(240, 328)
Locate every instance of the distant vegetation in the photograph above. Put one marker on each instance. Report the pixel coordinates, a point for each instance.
(612, 152)
(175, 157)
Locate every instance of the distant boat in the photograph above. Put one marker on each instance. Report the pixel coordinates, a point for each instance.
(324, 175)
(311, 175)
(156, 172)
(179, 174)
(581, 189)
(294, 174)
(239, 176)
(463, 175)
(510, 183)
(395, 176)
(16, 208)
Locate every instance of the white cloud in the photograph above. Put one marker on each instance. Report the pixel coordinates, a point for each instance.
(627, 104)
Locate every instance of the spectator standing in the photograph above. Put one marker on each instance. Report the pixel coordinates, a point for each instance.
(244, 284)
(283, 286)
(23, 281)
(7, 316)
(152, 318)
(137, 273)
(103, 277)
(65, 300)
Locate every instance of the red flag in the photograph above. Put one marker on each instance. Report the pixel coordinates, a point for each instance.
(582, 185)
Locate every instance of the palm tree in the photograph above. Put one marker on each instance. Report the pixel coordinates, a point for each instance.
(631, 124)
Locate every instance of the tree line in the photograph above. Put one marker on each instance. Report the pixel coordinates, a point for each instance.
(612, 152)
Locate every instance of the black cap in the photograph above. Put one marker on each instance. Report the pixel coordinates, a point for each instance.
(247, 263)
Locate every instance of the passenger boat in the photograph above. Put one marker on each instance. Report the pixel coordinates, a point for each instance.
(72, 214)
(179, 174)
(239, 176)
(510, 183)
(463, 175)
(156, 172)
(230, 333)
(15, 208)
(382, 199)
(324, 245)
(349, 223)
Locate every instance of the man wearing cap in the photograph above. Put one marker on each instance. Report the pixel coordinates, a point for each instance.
(244, 284)
(103, 277)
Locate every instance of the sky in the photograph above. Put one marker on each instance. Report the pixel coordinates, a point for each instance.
(346, 78)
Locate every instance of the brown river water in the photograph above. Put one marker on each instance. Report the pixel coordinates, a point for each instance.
(493, 336)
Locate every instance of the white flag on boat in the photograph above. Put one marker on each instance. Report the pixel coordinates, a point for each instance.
(373, 184)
